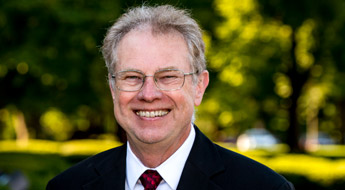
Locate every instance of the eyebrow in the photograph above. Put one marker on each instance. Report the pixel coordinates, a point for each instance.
(159, 69)
(171, 67)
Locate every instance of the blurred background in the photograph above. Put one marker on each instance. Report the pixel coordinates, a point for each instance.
(276, 93)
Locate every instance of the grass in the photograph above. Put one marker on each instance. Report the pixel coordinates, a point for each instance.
(38, 168)
(41, 160)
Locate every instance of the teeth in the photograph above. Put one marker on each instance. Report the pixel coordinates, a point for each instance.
(151, 113)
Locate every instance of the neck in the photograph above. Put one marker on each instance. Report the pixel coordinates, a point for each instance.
(153, 155)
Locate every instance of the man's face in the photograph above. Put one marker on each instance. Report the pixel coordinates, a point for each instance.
(140, 50)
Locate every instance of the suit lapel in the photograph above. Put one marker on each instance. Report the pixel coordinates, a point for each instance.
(203, 162)
(111, 172)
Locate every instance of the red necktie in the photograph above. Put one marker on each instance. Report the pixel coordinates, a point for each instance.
(150, 179)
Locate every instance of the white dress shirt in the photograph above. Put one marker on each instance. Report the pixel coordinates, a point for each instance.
(170, 170)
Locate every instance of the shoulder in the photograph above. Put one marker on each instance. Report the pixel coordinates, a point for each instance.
(249, 174)
(230, 169)
(86, 170)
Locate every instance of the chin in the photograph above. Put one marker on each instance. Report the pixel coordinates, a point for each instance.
(151, 137)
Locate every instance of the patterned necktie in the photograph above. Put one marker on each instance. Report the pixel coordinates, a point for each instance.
(150, 179)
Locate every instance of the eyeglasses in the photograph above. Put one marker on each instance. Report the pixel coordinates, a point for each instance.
(133, 80)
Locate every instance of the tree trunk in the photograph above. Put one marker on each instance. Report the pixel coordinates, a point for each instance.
(298, 79)
(312, 142)
(342, 123)
(20, 126)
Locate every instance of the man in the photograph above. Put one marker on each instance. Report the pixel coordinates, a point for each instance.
(157, 74)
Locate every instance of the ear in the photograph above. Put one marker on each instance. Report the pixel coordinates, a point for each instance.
(203, 80)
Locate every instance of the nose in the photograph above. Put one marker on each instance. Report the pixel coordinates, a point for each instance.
(149, 92)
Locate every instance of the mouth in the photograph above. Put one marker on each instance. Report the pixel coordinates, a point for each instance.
(151, 114)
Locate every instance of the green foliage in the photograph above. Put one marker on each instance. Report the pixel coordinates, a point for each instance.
(51, 68)
(318, 29)
(270, 64)
(247, 86)
(277, 63)
(51, 60)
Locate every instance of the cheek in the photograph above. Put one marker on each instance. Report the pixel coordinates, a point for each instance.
(121, 101)
(121, 110)
(187, 99)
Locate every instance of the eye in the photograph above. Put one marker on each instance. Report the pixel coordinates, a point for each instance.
(130, 76)
(170, 76)
(166, 77)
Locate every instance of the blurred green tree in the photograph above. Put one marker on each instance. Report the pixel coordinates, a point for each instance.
(51, 70)
(245, 58)
(277, 64)
(50, 59)
(317, 64)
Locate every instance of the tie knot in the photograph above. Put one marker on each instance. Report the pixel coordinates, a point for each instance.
(150, 179)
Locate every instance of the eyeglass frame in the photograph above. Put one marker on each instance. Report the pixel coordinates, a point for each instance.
(113, 76)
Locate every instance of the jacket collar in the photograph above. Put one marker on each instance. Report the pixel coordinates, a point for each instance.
(111, 171)
(203, 163)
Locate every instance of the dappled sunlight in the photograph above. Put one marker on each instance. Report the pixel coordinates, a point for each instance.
(47, 79)
(283, 85)
(305, 43)
(321, 170)
(211, 105)
(13, 124)
(68, 148)
(267, 63)
(313, 99)
(247, 42)
(8, 125)
(57, 124)
(31, 146)
(226, 118)
(231, 76)
(233, 11)
(22, 68)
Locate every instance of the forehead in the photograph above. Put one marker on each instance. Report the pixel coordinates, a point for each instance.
(146, 50)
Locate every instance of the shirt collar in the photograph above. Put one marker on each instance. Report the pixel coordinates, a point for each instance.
(170, 170)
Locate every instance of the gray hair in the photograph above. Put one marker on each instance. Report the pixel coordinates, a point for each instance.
(161, 19)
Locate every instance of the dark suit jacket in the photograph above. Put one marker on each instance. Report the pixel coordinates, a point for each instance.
(208, 166)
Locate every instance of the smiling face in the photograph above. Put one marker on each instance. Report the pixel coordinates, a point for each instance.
(151, 115)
